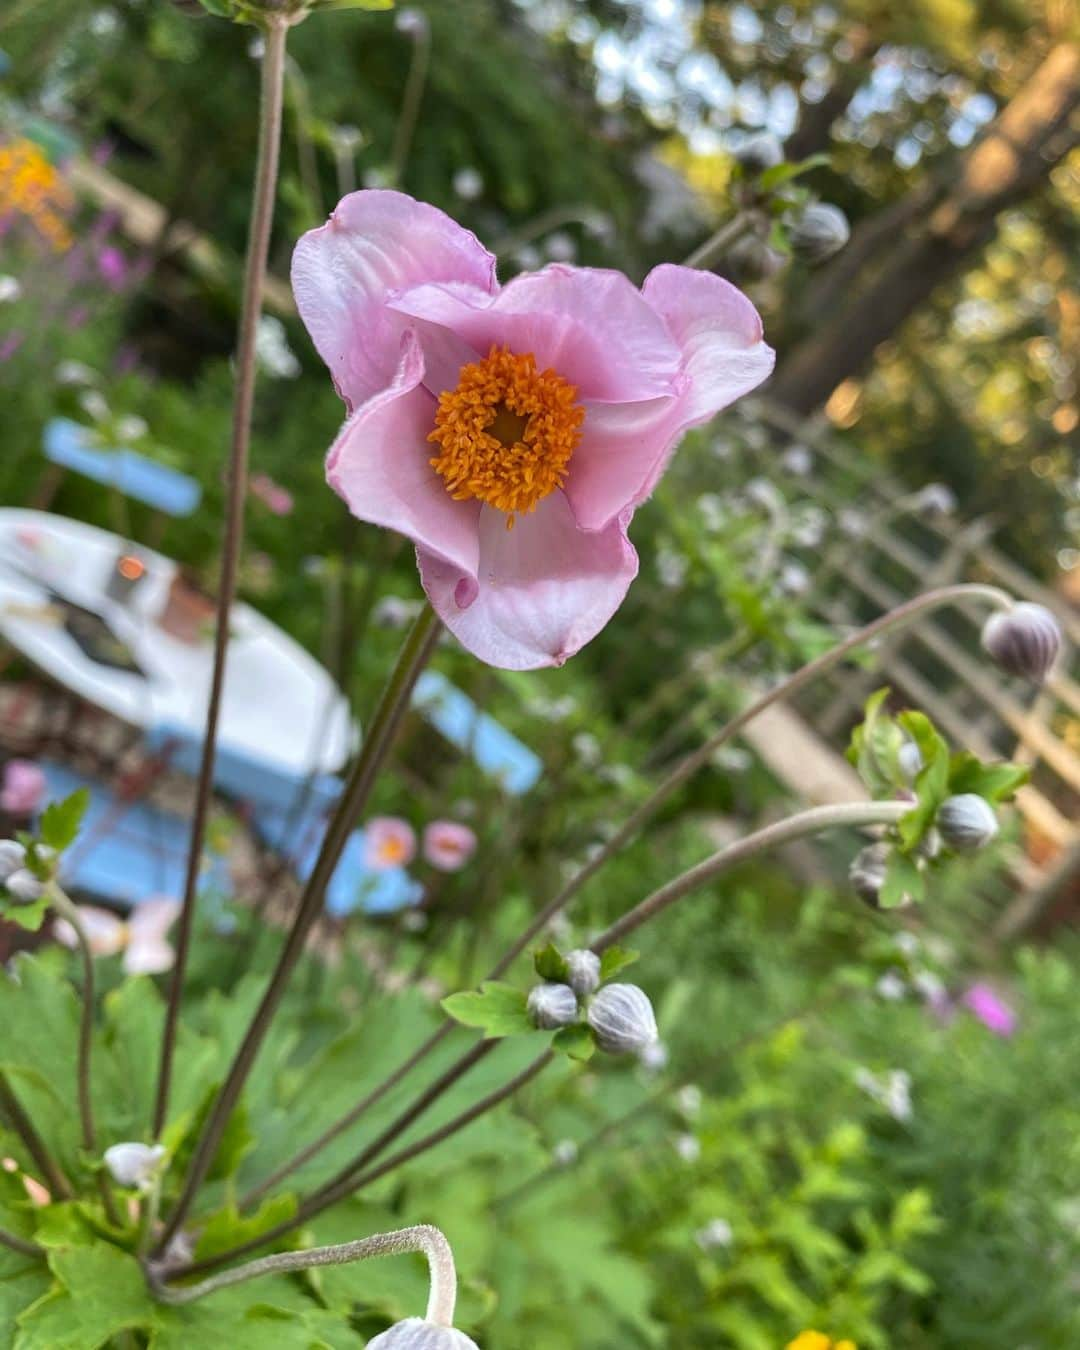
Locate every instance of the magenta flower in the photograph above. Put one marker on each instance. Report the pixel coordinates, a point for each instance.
(448, 846)
(388, 842)
(991, 1010)
(113, 267)
(23, 787)
(510, 432)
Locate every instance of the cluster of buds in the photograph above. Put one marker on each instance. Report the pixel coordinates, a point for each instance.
(620, 1015)
(25, 872)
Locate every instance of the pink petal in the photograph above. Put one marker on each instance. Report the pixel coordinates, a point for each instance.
(373, 243)
(152, 919)
(720, 334)
(389, 842)
(448, 845)
(623, 450)
(542, 589)
(148, 956)
(592, 326)
(105, 932)
(381, 465)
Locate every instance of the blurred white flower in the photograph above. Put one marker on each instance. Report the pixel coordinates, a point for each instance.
(134, 1165)
(671, 567)
(468, 184)
(272, 349)
(527, 258)
(891, 986)
(131, 427)
(711, 506)
(689, 1099)
(852, 523)
(716, 1233)
(764, 494)
(10, 289)
(907, 942)
(798, 460)
(587, 748)
(74, 372)
(94, 404)
(142, 939)
(560, 246)
(688, 1147)
(891, 1090)
(564, 1153)
(794, 579)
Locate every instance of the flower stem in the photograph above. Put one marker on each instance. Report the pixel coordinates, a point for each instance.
(12, 1108)
(897, 618)
(377, 743)
(422, 1238)
(410, 104)
(262, 215)
(716, 245)
(21, 1245)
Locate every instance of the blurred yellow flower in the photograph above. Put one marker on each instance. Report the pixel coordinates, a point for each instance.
(817, 1340)
(31, 187)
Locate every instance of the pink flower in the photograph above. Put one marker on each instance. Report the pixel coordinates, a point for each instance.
(113, 267)
(991, 1010)
(23, 788)
(142, 938)
(448, 846)
(389, 842)
(272, 495)
(511, 432)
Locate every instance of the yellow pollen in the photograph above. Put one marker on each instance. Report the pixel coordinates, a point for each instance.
(506, 433)
(392, 850)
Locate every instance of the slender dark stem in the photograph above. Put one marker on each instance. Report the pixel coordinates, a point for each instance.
(262, 216)
(21, 1245)
(392, 708)
(410, 104)
(58, 1184)
(682, 772)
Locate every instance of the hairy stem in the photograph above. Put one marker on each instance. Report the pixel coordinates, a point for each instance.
(422, 1238)
(262, 215)
(683, 771)
(392, 708)
(713, 249)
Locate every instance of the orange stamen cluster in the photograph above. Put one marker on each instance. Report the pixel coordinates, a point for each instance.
(507, 432)
(31, 187)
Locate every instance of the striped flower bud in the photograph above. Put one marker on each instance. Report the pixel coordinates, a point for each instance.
(966, 822)
(623, 1019)
(12, 858)
(24, 886)
(552, 1006)
(1024, 640)
(583, 972)
(867, 873)
(819, 232)
(415, 1333)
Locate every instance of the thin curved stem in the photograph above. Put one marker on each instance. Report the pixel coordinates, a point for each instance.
(895, 619)
(392, 708)
(12, 1108)
(21, 1245)
(69, 912)
(410, 103)
(713, 249)
(262, 216)
(421, 1238)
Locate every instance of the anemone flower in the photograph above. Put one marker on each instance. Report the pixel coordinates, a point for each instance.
(510, 432)
(991, 1009)
(448, 846)
(141, 938)
(23, 787)
(389, 842)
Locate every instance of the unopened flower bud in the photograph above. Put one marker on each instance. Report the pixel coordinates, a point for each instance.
(966, 822)
(583, 972)
(417, 1334)
(623, 1019)
(133, 1164)
(12, 858)
(759, 152)
(910, 759)
(1023, 641)
(552, 1005)
(24, 886)
(867, 873)
(752, 259)
(819, 232)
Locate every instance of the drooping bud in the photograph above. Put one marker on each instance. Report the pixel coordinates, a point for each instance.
(819, 232)
(1024, 641)
(24, 886)
(623, 1019)
(552, 1006)
(417, 1334)
(966, 822)
(583, 972)
(752, 259)
(759, 152)
(867, 873)
(135, 1165)
(12, 858)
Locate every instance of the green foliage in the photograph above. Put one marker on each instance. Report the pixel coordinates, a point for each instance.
(576, 1041)
(497, 1009)
(60, 821)
(550, 964)
(616, 959)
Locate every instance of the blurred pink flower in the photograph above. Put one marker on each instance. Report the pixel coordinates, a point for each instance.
(10, 345)
(23, 787)
(551, 405)
(272, 495)
(448, 846)
(389, 842)
(113, 267)
(991, 1010)
(142, 938)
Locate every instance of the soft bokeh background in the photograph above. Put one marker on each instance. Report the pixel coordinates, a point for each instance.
(844, 1135)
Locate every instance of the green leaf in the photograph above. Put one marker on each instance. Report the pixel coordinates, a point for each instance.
(60, 821)
(995, 782)
(498, 1010)
(550, 964)
(932, 783)
(875, 748)
(228, 1228)
(903, 881)
(784, 173)
(30, 917)
(101, 1293)
(616, 959)
(577, 1041)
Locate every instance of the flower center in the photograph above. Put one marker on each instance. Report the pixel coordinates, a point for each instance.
(506, 433)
